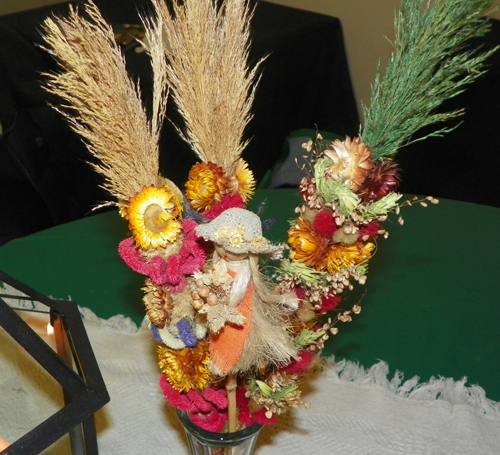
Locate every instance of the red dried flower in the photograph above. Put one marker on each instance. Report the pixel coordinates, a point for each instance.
(330, 303)
(302, 362)
(229, 201)
(324, 223)
(369, 231)
(383, 179)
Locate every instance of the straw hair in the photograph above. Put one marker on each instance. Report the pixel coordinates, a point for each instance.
(208, 75)
(102, 104)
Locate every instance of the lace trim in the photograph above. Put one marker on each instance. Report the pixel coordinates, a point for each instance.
(118, 322)
(442, 389)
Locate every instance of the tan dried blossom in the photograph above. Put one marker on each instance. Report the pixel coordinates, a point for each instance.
(351, 161)
(308, 145)
(347, 233)
(219, 315)
(345, 317)
(274, 403)
(215, 276)
(234, 235)
(158, 303)
(309, 192)
(213, 281)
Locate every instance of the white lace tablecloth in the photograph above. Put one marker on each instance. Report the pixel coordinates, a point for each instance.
(353, 411)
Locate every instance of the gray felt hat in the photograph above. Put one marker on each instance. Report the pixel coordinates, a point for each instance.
(239, 231)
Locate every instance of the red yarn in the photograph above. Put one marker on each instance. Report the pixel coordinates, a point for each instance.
(303, 361)
(324, 223)
(217, 397)
(229, 201)
(172, 271)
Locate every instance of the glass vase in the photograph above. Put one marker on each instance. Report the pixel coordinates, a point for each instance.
(203, 442)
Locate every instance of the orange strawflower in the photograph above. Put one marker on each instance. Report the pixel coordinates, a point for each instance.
(308, 246)
(206, 186)
(341, 255)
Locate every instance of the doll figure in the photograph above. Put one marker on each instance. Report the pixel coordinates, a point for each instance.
(247, 321)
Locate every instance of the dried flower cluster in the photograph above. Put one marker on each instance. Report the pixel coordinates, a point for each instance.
(232, 343)
(277, 395)
(208, 185)
(345, 202)
(333, 237)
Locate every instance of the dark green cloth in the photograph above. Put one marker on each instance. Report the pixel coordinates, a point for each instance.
(430, 306)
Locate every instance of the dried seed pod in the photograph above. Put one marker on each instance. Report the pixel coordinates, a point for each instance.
(212, 299)
(204, 291)
(197, 304)
(158, 303)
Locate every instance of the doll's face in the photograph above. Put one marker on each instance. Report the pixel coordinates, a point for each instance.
(228, 256)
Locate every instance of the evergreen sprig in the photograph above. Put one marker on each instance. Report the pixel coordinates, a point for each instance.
(307, 337)
(381, 207)
(429, 65)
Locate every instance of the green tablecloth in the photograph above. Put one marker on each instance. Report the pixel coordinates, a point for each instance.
(430, 307)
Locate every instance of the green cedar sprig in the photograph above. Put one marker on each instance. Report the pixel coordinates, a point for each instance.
(307, 337)
(429, 65)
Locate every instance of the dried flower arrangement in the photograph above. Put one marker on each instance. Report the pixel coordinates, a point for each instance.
(234, 345)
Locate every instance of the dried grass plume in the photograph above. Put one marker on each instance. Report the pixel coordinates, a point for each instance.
(208, 74)
(102, 104)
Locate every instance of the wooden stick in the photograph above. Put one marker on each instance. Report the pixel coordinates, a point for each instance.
(231, 399)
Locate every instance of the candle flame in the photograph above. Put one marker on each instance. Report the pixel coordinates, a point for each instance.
(3, 444)
(50, 329)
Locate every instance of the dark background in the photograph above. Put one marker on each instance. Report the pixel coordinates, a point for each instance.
(44, 179)
(463, 165)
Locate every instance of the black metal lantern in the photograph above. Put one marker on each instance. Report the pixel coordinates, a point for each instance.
(83, 387)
